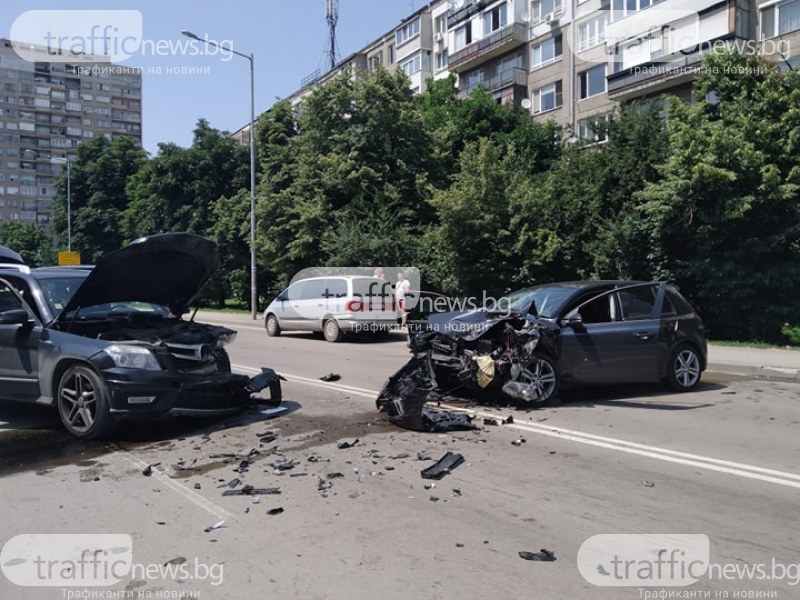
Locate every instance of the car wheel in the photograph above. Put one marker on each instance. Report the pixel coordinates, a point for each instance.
(542, 375)
(272, 326)
(331, 330)
(83, 403)
(683, 368)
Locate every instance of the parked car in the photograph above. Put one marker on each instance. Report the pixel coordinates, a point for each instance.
(109, 343)
(333, 306)
(571, 334)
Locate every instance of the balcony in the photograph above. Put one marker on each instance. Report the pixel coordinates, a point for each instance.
(493, 45)
(653, 77)
(509, 77)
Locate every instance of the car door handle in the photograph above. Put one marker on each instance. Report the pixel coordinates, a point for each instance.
(642, 335)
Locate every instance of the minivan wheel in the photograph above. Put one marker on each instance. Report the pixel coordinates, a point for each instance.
(83, 403)
(272, 326)
(331, 330)
(683, 368)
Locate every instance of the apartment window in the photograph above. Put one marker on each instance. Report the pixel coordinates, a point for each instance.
(440, 24)
(474, 79)
(623, 8)
(412, 64)
(547, 98)
(592, 81)
(495, 18)
(780, 18)
(592, 33)
(463, 36)
(541, 8)
(376, 61)
(594, 129)
(547, 52)
(442, 60)
(406, 32)
(391, 54)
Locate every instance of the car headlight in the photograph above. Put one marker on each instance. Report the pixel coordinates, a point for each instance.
(133, 357)
(226, 338)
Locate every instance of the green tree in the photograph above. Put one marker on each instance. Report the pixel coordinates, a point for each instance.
(31, 241)
(176, 190)
(727, 209)
(99, 175)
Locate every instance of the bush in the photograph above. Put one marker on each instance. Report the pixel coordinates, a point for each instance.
(791, 333)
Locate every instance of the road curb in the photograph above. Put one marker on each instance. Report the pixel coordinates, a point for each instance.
(758, 371)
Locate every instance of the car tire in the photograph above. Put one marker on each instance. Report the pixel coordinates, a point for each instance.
(684, 368)
(272, 326)
(543, 374)
(331, 330)
(82, 401)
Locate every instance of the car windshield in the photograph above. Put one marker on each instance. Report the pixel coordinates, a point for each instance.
(58, 290)
(119, 309)
(544, 301)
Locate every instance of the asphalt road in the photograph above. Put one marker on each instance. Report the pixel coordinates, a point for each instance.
(632, 460)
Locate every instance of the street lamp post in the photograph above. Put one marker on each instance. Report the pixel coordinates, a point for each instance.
(251, 58)
(69, 202)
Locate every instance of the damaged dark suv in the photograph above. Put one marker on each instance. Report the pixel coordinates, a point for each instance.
(109, 343)
(549, 336)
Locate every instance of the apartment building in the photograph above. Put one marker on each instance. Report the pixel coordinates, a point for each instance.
(46, 110)
(574, 61)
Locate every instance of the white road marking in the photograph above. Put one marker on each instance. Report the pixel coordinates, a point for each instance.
(192, 496)
(665, 454)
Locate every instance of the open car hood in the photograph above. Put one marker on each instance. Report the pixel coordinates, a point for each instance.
(169, 269)
(7, 255)
(471, 324)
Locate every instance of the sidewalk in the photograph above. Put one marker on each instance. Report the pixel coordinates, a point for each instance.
(757, 362)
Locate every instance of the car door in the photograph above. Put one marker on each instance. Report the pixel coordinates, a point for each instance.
(285, 306)
(19, 349)
(583, 347)
(631, 347)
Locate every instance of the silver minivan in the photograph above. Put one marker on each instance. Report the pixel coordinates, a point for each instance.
(334, 305)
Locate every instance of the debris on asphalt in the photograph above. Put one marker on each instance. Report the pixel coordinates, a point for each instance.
(232, 483)
(648, 484)
(509, 420)
(332, 476)
(430, 486)
(267, 437)
(518, 442)
(456, 493)
(346, 445)
(275, 511)
(255, 500)
(197, 486)
(249, 490)
(148, 470)
(267, 378)
(434, 499)
(459, 545)
(243, 467)
(443, 466)
(284, 464)
(273, 412)
(492, 422)
(331, 377)
(543, 555)
(178, 560)
(215, 526)
(441, 421)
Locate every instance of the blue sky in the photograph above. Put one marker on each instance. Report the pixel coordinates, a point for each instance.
(288, 38)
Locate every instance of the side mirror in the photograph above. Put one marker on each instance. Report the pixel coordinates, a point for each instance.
(18, 316)
(575, 322)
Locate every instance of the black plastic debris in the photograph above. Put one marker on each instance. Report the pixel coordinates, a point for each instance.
(346, 445)
(544, 555)
(197, 486)
(331, 377)
(267, 437)
(509, 420)
(267, 378)
(284, 464)
(243, 467)
(249, 490)
(492, 422)
(275, 511)
(443, 466)
(333, 476)
(518, 442)
(178, 560)
(439, 421)
(148, 470)
(456, 493)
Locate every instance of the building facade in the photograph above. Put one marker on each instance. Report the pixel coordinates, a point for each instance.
(46, 110)
(574, 61)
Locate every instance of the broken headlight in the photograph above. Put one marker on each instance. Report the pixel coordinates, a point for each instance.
(530, 345)
(225, 339)
(133, 357)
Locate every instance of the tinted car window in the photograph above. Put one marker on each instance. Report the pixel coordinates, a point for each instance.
(637, 303)
(8, 299)
(681, 305)
(58, 290)
(597, 310)
(294, 291)
(544, 301)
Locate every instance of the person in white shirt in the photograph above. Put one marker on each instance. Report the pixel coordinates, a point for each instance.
(400, 290)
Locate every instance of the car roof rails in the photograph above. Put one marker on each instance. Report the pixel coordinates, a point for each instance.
(15, 267)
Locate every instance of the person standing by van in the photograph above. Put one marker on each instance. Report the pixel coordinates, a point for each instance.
(400, 290)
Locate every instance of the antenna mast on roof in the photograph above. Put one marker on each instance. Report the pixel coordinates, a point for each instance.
(332, 16)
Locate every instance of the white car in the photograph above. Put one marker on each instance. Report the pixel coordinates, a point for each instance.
(334, 305)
